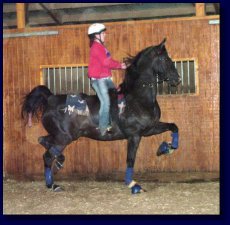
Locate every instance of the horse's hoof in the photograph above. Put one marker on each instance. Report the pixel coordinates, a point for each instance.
(165, 149)
(137, 189)
(56, 188)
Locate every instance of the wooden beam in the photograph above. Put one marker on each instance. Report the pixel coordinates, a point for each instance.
(20, 8)
(30, 34)
(200, 9)
(152, 11)
(49, 12)
(10, 7)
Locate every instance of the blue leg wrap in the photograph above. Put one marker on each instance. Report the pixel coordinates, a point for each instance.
(128, 175)
(136, 189)
(175, 140)
(164, 148)
(48, 177)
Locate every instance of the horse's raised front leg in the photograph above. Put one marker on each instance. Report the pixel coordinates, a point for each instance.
(167, 148)
(133, 143)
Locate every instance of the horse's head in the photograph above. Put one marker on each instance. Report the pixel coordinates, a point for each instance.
(150, 64)
(162, 64)
(155, 60)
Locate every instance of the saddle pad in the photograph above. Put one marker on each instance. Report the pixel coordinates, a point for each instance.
(121, 103)
(76, 101)
(75, 104)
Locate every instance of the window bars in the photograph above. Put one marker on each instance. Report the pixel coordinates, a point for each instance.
(67, 79)
(72, 79)
(187, 71)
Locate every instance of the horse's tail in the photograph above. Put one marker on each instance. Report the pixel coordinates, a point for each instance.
(35, 102)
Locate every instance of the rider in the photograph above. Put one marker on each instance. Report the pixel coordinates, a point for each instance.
(99, 71)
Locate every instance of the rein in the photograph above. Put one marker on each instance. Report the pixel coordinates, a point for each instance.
(145, 84)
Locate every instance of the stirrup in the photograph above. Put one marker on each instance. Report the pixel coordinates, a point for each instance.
(109, 128)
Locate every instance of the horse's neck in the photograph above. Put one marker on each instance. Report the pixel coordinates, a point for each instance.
(146, 90)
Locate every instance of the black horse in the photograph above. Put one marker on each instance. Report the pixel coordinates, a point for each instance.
(140, 117)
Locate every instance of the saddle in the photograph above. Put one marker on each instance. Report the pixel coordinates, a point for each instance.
(75, 103)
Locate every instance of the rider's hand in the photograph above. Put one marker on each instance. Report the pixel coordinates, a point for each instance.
(123, 66)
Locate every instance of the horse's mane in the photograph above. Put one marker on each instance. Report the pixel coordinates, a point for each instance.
(133, 70)
(132, 73)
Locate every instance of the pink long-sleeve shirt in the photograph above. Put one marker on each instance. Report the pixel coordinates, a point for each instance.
(101, 62)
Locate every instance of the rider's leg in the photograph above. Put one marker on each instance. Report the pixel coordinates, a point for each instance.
(101, 86)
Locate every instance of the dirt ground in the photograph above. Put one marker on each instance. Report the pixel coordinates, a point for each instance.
(107, 197)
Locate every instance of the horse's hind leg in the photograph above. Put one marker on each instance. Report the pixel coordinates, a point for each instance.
(53, 162)
(54, 143)
(53, 159)
(45, 141)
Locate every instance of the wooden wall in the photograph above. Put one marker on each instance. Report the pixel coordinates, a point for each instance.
(197, 116)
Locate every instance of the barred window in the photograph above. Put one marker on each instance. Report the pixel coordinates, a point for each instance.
(72, 79)
(68, 79)
(187, 72)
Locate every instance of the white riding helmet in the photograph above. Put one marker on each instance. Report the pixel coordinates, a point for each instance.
(96, 28)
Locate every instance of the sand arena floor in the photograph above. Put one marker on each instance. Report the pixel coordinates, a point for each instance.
(111, 197)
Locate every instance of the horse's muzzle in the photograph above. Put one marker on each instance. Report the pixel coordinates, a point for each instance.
(175, 82)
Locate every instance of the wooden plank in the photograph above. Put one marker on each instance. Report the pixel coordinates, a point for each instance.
(200, 9)
(20, 7)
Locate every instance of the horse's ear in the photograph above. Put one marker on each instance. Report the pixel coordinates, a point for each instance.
(162, 43)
